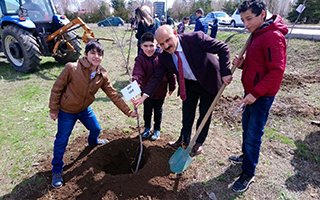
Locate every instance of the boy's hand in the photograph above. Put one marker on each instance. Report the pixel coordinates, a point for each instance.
(249, 99)
(53, 115)
(227, 79)
(237, 61)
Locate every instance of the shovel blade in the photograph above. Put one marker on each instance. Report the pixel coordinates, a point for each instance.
(180, 160)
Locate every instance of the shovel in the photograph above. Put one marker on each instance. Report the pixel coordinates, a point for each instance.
(181, 158)
(140, 139)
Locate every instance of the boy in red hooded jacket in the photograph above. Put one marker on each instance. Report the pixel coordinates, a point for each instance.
(262, 72)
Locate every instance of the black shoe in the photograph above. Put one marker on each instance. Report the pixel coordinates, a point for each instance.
(236, 159)
(175, 145)
(242, 183)
(196, 150)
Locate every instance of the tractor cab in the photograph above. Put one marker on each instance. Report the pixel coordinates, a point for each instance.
(36, 10)
(30, 29)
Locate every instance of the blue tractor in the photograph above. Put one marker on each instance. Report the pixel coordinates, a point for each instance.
(30, 29)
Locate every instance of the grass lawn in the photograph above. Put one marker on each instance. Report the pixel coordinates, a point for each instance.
(27, 133)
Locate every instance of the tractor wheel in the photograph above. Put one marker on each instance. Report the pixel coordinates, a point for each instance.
(64, 54)
(21, 48)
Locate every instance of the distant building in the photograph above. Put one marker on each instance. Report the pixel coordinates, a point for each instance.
(159, 8)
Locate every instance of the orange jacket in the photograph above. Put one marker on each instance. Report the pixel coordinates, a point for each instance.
(73, 91)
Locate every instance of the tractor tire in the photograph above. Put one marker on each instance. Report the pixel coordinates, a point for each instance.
(21, 49)
(64, 55)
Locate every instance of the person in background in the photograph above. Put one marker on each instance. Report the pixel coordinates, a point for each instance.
(182, 25)
(145, 23)
(200, 77)
(145, 65)
(262, 72)
(132, 21)
(157, 20)
(71, 96)
(201, 24)
(170, 21)
(214, 28)
(163, 20)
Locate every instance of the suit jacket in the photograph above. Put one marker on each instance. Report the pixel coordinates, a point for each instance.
(207, 68)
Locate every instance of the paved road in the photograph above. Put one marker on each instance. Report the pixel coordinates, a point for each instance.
(304, 33)
(298, 32)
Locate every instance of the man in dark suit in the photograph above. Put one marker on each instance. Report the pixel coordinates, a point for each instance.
(202, 76)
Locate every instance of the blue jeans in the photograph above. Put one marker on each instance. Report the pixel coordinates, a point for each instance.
(254, 119)
(66, 122)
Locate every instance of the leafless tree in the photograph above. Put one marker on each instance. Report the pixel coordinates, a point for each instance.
(181, 8)
(217, 4)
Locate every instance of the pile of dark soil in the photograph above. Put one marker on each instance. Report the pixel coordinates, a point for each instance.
(225, 111)
(294, 107)
(107, 172)
(299, 81)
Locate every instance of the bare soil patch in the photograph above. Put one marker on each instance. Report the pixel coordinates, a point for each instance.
(299, 81)
(295, 107)
(106, 172)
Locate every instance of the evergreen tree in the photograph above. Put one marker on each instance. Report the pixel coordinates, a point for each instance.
(204, 4)
(120, 9)
(311, 14)
(229, 7)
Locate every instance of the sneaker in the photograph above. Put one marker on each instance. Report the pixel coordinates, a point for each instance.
(236, 159)
(315, 122)
(242, 183)
(196, 149)
(146, 133)
(57, 180)
(102, 141)
(99, 142)
(156, 135)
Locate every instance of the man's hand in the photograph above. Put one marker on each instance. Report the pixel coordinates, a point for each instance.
(249, 99)
(139, 101)
(53, 115)
(227, 79)
(237, 61)
(133, 114)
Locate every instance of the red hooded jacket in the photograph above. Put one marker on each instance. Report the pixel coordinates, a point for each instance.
(265, 59)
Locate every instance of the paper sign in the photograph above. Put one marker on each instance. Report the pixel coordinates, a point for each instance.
(300, 8)
(131, 91)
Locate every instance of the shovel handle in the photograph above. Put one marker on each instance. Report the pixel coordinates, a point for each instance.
(217, 97)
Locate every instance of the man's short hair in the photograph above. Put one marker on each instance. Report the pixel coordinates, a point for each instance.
(256, 6)
(186, 18)
(147, 37)
(94, 45)
(200, 11)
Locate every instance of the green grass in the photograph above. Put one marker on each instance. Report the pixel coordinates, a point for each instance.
(273, 134)
(27, 133)
(303, 151)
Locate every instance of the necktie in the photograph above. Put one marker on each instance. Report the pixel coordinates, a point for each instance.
(182, 85)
